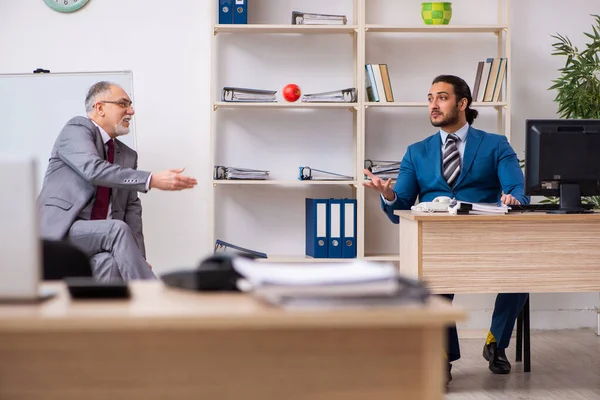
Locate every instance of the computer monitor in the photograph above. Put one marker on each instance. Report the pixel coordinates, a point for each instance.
(562, 158)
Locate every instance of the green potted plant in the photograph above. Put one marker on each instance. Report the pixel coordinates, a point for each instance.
(578, 86)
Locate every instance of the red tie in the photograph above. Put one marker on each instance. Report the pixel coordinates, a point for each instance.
(100, 210)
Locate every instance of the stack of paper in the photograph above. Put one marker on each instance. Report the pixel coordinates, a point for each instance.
(383, 169)
(354, 284)
(221, 172)
(302, 18)
(465, 207)
(234, 94)
(335, 96)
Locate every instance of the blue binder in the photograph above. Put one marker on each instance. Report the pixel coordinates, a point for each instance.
(225, 12)
(335, 228)
(240, 12)
(317, 222)
(348, 228)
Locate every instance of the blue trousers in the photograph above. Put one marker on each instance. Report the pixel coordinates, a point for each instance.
(506, 310)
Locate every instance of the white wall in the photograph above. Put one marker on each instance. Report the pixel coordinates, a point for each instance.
(168, 49)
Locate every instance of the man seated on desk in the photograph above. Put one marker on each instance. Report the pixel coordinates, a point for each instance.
(468, 164)
(89, 195)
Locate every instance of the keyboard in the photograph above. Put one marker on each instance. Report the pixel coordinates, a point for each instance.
(543, 207)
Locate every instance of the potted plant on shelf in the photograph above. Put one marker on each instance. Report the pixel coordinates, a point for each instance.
(578, 86)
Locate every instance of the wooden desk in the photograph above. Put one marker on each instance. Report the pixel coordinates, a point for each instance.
(517, 252)
(171, 344)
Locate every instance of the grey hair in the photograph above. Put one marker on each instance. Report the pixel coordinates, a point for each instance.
(96, 89)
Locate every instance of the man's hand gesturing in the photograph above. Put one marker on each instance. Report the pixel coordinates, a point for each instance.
(383, 187)
(172, 179)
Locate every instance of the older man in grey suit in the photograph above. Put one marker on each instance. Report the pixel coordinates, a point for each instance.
(89, 195)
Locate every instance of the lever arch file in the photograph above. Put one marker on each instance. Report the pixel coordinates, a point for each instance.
(317, 220)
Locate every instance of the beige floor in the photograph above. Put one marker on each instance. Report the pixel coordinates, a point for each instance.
(564, 365)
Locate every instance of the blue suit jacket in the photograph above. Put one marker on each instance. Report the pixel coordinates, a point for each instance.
(490, 167)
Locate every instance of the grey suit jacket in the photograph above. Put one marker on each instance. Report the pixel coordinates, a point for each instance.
(76, 167)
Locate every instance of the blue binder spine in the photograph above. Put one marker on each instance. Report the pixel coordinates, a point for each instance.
(240, 12)
(225, 12)
(316, 228)
(349, 228)
(335, 228)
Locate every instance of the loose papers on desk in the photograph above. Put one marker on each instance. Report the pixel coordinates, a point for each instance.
(383, 169)
(354, 284)
(235, 94)
(465, 207)
(334, 96)
(221, 172)
(302, 18)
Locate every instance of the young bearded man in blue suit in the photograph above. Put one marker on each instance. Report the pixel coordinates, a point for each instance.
(468, 164)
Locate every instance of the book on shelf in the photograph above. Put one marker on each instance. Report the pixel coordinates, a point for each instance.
(323, 286)
(236, 94)
(303, 18)
(334, 96)
(378, 83)
(308, 173)
(222, 172)
(489, 79)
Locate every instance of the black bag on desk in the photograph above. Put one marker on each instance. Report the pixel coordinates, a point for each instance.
(215, 273)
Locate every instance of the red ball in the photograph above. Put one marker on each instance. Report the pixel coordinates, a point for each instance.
(291, 92)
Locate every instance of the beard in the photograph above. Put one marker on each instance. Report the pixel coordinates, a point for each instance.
(450, 119)
(120, 129)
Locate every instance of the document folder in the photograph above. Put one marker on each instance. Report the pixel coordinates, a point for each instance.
(348, 228)
(316, 228)
(308, 173)
(236, 94)
(225, 12)
(335, 228)
(224, 247)
(240, 12)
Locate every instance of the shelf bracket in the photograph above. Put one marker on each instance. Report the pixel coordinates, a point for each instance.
(215, 31)
(215, 107)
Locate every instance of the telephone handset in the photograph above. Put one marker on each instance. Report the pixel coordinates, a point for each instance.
(439, 204)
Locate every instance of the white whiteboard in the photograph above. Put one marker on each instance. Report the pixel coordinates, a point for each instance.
(35, 107)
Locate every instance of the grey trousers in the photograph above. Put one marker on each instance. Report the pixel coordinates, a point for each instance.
(113, 253)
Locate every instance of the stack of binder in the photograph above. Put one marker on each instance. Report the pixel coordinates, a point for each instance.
(221, 172)
(335, 96)
(313, 174)
(383, 169)
(302, 18)
(233, 14)
(331, 228)
(236, 94)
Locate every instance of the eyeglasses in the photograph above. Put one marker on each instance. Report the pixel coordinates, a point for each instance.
(120, 103)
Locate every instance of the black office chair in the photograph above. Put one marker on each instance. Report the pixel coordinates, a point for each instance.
(61, 260)
(524, 338)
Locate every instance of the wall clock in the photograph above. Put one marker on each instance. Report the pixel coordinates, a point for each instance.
(66, 5)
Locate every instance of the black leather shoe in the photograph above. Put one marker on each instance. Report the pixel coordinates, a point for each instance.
(449, 374)
(497, 358)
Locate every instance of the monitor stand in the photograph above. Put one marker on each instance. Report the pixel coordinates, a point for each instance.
(570, 200)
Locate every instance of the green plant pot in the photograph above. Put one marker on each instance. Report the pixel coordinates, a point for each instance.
(436, 13)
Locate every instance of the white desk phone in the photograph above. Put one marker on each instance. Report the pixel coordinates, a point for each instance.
(439, 204)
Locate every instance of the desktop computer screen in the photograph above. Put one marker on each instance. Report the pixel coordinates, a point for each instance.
(562, 158)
